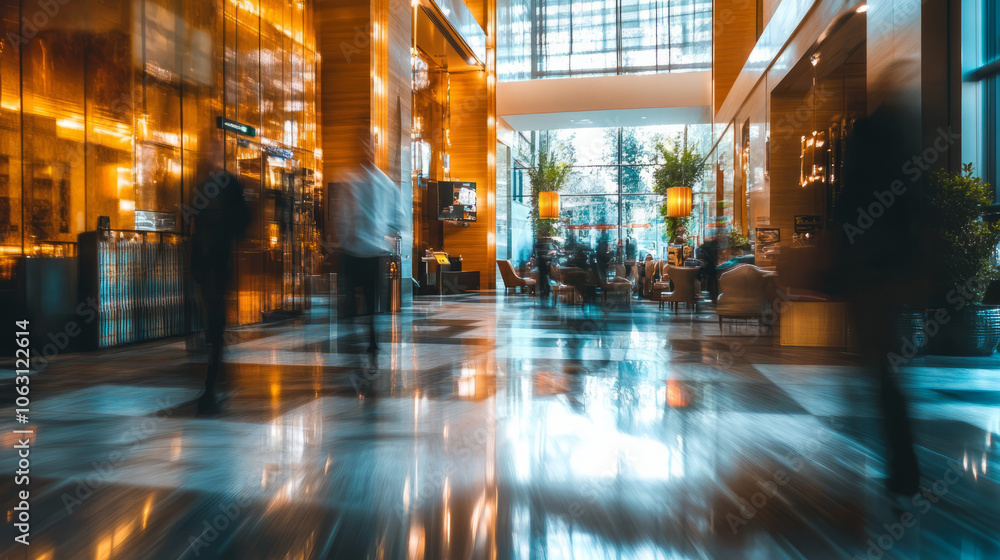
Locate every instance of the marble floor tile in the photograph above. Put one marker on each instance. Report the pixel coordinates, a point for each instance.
(490, 427)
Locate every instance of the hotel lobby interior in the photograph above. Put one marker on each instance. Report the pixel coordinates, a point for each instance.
(500, 279)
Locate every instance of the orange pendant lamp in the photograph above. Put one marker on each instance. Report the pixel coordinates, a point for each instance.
(679, 201)
(548, 205)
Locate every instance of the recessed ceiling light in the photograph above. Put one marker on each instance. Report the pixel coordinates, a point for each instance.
(643, 117)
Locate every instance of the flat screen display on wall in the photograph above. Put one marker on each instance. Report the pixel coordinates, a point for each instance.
(456, 201)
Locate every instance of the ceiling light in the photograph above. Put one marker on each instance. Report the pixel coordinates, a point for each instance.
(862, 9)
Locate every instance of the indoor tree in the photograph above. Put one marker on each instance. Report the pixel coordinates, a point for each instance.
(964, 239)
(680, 166)
(963, 236)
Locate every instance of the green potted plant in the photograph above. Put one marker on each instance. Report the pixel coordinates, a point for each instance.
(549, 175)
(965, 242)
(737, 240)
(679, 166)
(674, 229)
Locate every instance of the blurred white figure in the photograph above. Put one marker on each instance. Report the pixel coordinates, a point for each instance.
(369, 221)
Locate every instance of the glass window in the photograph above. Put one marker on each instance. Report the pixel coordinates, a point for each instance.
(609, 165)
(592, 180)
(637, 179)
(115, 114)
(642, 226)
(590, 219)
(584, 146)
(604, 37)
(10, 140)
(991, 93)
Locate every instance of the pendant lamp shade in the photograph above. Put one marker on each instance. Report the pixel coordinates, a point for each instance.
(548, 205)
(679, 202)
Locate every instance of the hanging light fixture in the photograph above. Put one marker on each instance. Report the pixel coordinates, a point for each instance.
(679, 201)
(548, 205)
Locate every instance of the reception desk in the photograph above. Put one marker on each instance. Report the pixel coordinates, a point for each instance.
(459, 282)
(446, 279)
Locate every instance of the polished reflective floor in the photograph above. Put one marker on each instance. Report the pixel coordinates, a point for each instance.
(488, 427)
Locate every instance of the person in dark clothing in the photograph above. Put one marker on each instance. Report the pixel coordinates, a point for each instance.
(543, 246)
(603, 256)
(708, 254)
(877, 263)
(220, 221)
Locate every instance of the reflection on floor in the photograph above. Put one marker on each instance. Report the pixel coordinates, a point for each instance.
(491, 428)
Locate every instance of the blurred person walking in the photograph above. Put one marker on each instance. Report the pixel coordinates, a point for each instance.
(222, 218)
(543, 258)
(880, 268)
(369, 220)
(708, 254)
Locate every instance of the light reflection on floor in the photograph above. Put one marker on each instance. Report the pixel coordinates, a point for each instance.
(490, 428)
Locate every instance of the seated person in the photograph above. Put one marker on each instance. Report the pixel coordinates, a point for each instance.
(745, 259)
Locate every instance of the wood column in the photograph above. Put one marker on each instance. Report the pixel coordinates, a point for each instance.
(734, 34)
(472, 153)
(366, 95)
(365, 84)
(472, 146)
(343, 37)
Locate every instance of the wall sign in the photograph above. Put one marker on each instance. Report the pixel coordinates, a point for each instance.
(233, 126)
(155, 221)
(279, 152)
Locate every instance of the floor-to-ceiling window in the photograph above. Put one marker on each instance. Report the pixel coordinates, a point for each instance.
(571, 38)
(609, 193)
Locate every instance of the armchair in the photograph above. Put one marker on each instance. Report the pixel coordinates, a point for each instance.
(686, 287)
(742, 293)
(512, 281)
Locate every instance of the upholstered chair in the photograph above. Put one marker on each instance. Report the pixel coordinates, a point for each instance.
(512, 281)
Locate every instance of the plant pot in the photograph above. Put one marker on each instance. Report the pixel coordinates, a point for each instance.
(972, 331)
(911, 325)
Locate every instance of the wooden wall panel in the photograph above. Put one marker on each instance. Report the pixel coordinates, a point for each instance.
(480, 10)
(787, 198)
(344, 44)
(399, 99)
(471, 148)
(734, 36)
(793, 29)
(366, 92)
(399, 89)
